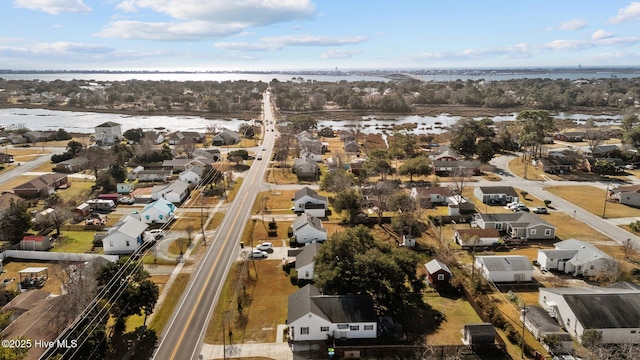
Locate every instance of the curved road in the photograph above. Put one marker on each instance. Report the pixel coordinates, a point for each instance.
(183, 336)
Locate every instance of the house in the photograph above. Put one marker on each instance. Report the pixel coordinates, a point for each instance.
(356, 166)
(475, 237)
(457, 205)
(307, 200)
(304, 135)
(505, 268)
(124, 188)
(438, 274)
(433, 195)
(179, 137)
(150, 175)
(211, 154)
(178, 165)
(312, 316)
(351, 147)
(599, 151)
(44, 215)
(478, 334)
(5, 200)
(73, 165)
(326, 132)
(589, 164)
(314, 147)
(125, 237)
(541, 325)
(445, 154)
(496, 195)
(35, 242)
(626, 195)
(446, 167)
(517, 225)
(307, 228)
(305, 168)
(192, 175)
(43, 185)
(554, 166)
(612, 312)
(174, 192)
(226, 137)
(108, 133)
(305, 261)
(24, 301)
(578, 258)
(160, 211)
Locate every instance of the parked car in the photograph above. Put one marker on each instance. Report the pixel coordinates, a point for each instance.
(154, 234)
(265, 246)
(518, 204)
(126, 200)
(540, 210)
(258, 254)
(521, 208)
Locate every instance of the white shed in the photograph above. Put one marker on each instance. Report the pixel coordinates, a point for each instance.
(507, 268)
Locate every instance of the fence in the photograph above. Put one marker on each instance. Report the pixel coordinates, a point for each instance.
(52, 256)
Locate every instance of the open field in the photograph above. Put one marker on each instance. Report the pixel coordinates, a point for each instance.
(282, 176)
(276, 202)
(263, 306)
(592, 199)
(74, 242)
(55, 271)
(458, 312)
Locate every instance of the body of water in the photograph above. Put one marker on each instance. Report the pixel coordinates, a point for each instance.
(85, 122)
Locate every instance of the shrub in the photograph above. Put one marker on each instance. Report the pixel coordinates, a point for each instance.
(293, 276)
(547, 203)
(635, 226)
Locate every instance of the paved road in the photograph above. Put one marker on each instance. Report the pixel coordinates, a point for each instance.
(183, 336)
(537, 189)
(30, 165)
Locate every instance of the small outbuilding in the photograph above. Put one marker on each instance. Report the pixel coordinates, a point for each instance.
(438, 274)
(35, 243)
(482, 334)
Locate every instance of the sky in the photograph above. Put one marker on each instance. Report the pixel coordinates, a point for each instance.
(268, 35)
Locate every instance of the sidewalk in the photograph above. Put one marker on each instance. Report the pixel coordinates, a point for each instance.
(280, 351)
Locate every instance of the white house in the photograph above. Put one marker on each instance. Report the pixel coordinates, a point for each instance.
(124, 188)
(192, 175)
(125, 237)
(108, 133)
(312, 316)
(468, 238)
(175, 192)
(505, 268)
(518, 225)
(307, 228)
(613, 312)
(308, 201)
(435, 194)
(158, 212)
(495, 195)
(305, 261)
(541, 325)
(578, 258)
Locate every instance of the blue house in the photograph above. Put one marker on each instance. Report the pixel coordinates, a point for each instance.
(158, 212)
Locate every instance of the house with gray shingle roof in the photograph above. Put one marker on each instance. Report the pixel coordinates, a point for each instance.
(578, 258)
(505, 268)
(307, 200)
(610, 311)
(305, 261)
(496, 195)
(313, 316)
(517, 225)
(108, 133)
(307, 228)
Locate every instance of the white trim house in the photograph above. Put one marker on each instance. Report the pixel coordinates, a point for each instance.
(307, 200)
(522, 225)
(312, 316)
(175, 192)
(160, 211)
(611, 311)
(306, 261)
(307, 228)
(125, 237)
(509, 268)
(578, 258)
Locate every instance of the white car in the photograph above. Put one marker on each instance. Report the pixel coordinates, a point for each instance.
(154, 234)
(264, 148)
(259, 157)
(265, 246)
(516, 205)
(258, 254)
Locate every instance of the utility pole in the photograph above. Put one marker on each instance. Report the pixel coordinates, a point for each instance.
(606, 196)
(204, 239)
(524, 316)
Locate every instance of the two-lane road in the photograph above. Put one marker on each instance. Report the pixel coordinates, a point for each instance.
(183, 336)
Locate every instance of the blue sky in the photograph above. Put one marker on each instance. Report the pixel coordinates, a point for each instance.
(322, 34)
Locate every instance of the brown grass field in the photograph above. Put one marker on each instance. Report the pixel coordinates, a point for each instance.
(592, 199)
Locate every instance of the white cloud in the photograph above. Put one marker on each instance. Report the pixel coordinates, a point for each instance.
(196, 19)
(573, 24)
(630, 12)
(68, 48)
(54, 7)
(279, 42)
(602, 34)
(339, 54)
(567, 44)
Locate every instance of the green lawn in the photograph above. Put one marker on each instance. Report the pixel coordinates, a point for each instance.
(74, 242)
(165, 311)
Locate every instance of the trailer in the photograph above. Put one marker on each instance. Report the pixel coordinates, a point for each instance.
(101, 205)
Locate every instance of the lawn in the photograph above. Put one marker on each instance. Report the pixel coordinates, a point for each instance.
(188, 221)
(517, 166)
(78, 192)
(234, 189)
(591, 199)
(162, 315)
(74, 242)
(216, 220)
(283, 176)
(260, 232)
(264, 298)
(55, 271)
(275, 202)
(458, 312)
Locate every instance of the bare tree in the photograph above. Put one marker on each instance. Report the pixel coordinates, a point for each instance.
(594, 137)
(59, 217)
(187, 146)
(630, 248)
(189, 229)
(460, 177)
(79, 287)
(381, 192)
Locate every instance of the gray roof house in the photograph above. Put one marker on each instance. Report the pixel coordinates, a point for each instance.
(478, 334)
(312, 316)
(307, 228)
(226, 137)
(505, 268)
(305, 261)
(108, 133)
(627, 195)
(496, 195)
(307, 200)
(517, 225)
(578, 258)
(540, 324)
(613, 312)
(305, 168)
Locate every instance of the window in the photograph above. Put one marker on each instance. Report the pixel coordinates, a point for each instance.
(533, 231)
(547, 232)
(591, 267)
(499, 226)
(343, 326)
(324, 328)
(160, 217)
(128, 243)
(147, 217)
(368, 327)
(568, 322)
(633, 331)
(440, 277)
(354, 327)
(304, 331)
